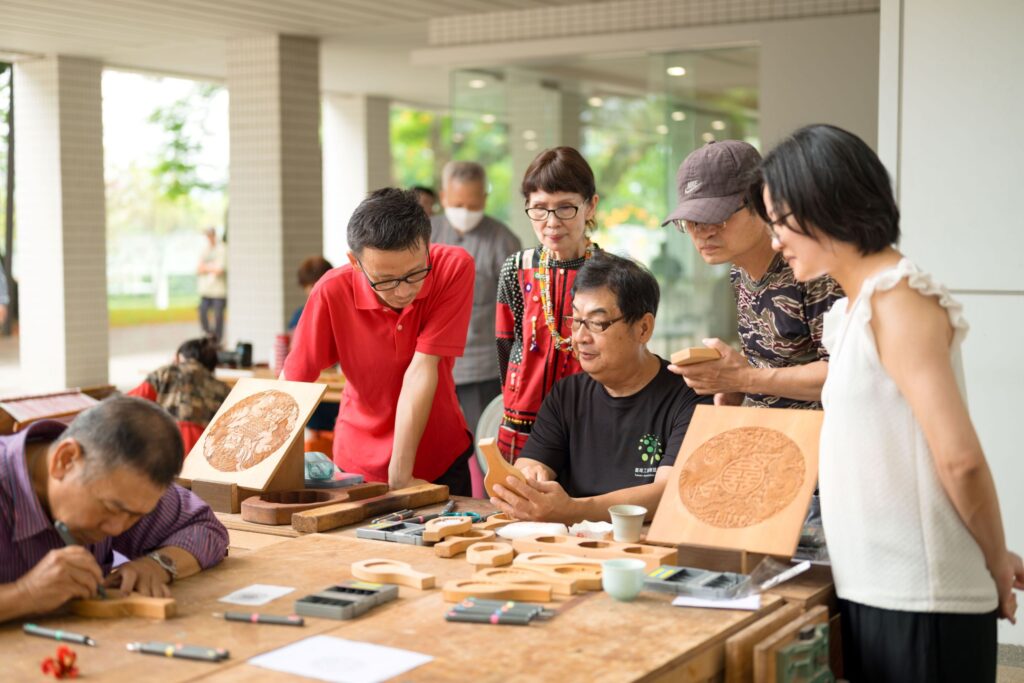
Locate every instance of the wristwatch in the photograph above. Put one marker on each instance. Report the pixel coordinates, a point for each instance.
(165, 562)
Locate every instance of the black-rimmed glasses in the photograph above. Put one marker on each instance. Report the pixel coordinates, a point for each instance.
(564, 213)
(781, 221)
(387, 285)
(593, 326)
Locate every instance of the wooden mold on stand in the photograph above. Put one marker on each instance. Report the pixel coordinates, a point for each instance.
(653, 556)
(695, 355)
(254, 444)
(392, 571)
(462, 589)
(498, 469)
(742, 480)
(453, 545)
(277, 507)
(489, 554)
(343, 514)
(117, 604)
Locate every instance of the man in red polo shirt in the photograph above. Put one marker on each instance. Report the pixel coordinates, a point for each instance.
(395, 319)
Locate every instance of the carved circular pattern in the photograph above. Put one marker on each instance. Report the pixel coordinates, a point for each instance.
(741, 477)
(250, 431)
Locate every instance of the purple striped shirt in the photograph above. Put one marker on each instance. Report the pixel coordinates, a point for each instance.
(27, 533)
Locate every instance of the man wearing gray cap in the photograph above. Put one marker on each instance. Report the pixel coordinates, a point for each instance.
(780, 319)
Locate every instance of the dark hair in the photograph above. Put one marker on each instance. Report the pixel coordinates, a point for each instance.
(561, 169)
(312, 269)
(129, 432)
(389, 219)
(636, 291)
(423, 189)
(202, 349)
(833, 182)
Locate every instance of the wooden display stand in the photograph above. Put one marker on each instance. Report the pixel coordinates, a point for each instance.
(244, 423)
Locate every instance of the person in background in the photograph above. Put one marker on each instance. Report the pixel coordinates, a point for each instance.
(426, 197)
(187, 389)
(534, 341)
(320, 428)
(783, 363)
(212, 285)
(489, 242)
(908, 502)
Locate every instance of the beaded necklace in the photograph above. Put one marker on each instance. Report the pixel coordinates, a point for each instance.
(561, 343)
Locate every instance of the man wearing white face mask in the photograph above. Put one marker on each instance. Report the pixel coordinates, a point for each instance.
(489, 242)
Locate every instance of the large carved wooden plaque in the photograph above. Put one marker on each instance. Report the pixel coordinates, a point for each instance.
(259, 423)
(743, 480)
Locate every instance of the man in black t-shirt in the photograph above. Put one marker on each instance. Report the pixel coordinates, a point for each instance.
(610, 434)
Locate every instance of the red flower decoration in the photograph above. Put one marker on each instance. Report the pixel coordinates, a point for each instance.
(63, 665)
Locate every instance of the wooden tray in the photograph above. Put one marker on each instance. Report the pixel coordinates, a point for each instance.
(277, 507)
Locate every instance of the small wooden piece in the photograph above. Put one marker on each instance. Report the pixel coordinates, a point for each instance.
(117, 604)
(695, 355)
(739, 649)
(220, 496)
(498, 469)
(453, 545)
(456, 591)
(440, 528)
(560, 584)
(767, 650)
(277, 507)
(490, 554)
(494, 522)
(653, 556)
(392, 571)
(343, 514)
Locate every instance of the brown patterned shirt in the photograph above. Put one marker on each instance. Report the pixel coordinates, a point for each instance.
(780, 323)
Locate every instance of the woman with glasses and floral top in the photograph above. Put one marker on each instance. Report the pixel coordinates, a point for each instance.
(534, 342)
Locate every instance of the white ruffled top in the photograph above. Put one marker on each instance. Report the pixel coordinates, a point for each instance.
(895, 539)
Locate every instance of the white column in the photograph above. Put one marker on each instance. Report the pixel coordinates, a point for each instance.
(61, 223)
(357, 160)
(275, 218)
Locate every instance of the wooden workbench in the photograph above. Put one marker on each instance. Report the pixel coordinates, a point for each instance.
(593, 637)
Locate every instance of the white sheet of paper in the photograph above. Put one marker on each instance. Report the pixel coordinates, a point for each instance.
(751, 602)
(340, 661)
(256, 594)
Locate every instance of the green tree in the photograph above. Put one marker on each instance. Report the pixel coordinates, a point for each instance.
(177, 172)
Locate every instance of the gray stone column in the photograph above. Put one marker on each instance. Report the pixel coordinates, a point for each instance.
(61, 223)
(275, 219)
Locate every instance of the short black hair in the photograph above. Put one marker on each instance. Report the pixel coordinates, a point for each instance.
(124, 431)
(833, 182)
(560, 169)
(389, 219)
(423, 189)
(636, 290)
(201, 349)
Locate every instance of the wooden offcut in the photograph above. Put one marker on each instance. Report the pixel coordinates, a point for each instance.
(498, 469)
(277, 507)
(392, 571)
(695, 355)
(343, 514)
(117, 604)
(652, 556)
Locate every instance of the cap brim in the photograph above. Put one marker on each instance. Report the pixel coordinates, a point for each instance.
(706, 209)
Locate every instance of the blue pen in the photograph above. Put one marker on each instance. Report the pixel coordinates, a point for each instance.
(68, 539)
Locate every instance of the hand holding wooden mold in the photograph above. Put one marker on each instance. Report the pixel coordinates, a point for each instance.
(117, 604)
(694, 355)
(498, 469)
(392, 571)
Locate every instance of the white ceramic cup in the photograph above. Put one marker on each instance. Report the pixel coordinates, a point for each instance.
(627, 522)
(623, 579)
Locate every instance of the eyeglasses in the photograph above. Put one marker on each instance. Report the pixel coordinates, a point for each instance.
(539, 213)
(388, 285)
(593, 326)
(781, 221)
(693, 228)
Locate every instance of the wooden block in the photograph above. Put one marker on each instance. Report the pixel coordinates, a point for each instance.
(560, 584)
(392, 571)
(653, 556)
(498, 469)
(456, 591)
(440, 528)
(586, 576)
(739, 649)
(494, 522)
(343, 514)
(542, 558)
(117, 604)
(453, 545)
(277, 507)
(489, 554)
(695, 355)
(220, 496)
(767, 650)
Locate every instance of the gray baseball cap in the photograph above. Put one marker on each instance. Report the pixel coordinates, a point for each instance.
(712, 181)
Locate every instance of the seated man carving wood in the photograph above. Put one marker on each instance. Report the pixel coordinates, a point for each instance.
(610, 434)
(108, 477)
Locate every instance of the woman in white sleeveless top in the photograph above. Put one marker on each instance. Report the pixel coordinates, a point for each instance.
(908, 503)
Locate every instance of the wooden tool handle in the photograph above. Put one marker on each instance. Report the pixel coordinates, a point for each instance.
(392, 571)
(456, 591)
(344, 514)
